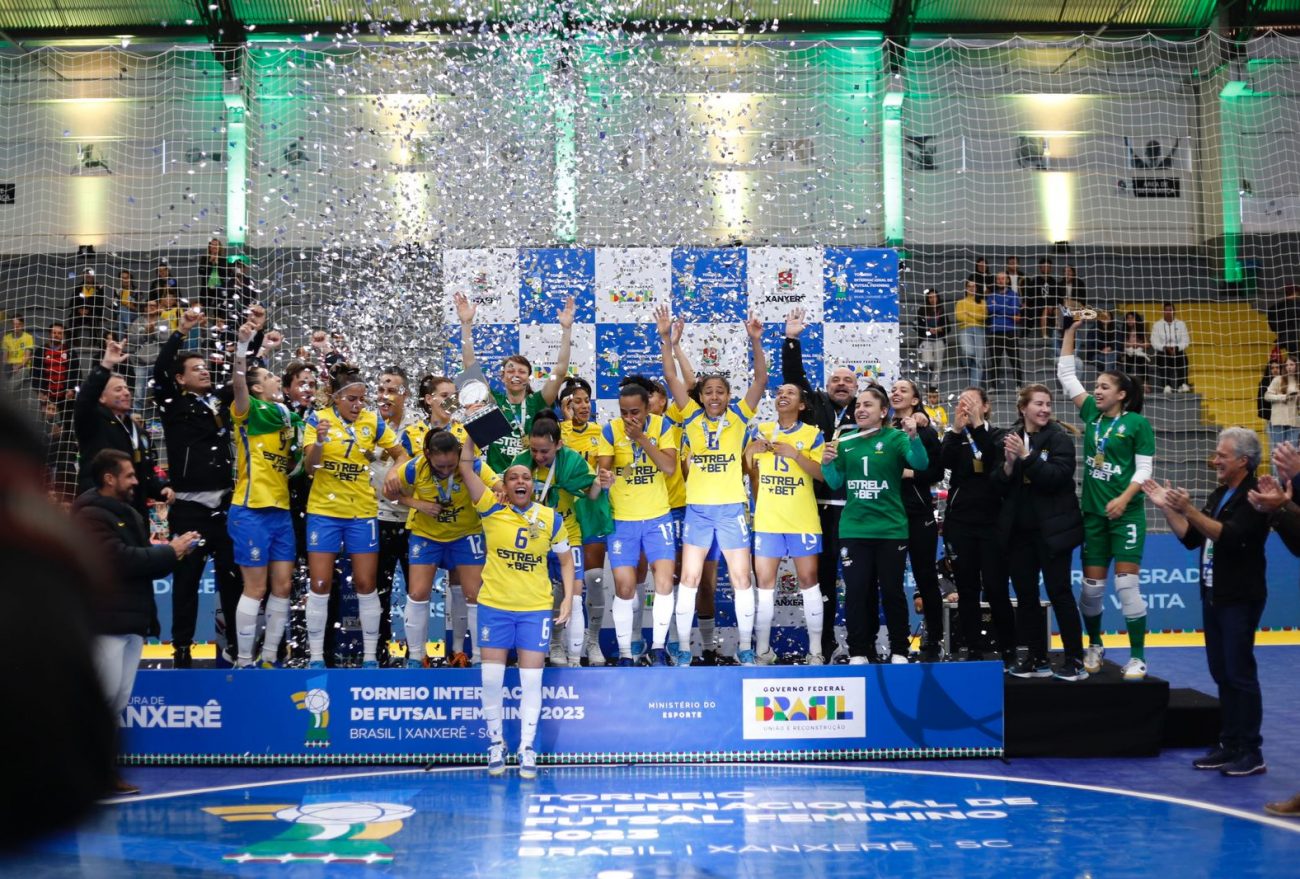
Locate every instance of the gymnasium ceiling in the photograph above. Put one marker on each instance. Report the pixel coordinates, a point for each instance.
(229, 20)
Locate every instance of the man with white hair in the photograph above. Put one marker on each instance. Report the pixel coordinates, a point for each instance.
(832, 411)
(1230, 533)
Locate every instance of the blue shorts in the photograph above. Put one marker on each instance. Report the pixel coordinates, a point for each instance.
(654, 537)
(517, 629)
(725, 523)
(553, 566)
(261, 535)
(773, 545)
(679, 517)
(447, 554)
(335, 535)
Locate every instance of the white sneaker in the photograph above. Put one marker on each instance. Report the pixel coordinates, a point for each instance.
(527, 763)
(575, 661)
(898, 659)
(1093, 654)
(767, 657)
(814, 659)
(558, 656)
(859, 660)
(1135, 670)
(497, 758)
(1184, 388)
(595, 657)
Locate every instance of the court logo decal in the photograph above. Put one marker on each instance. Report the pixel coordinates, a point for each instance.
(326, 833)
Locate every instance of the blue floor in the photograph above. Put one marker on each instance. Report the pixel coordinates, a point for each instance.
(395, 822)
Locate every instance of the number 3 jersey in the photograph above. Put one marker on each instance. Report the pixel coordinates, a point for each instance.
(518, 541)
(1110, 450)
(340, 486)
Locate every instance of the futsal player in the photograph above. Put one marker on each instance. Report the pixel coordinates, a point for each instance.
(1119, 449)
(714, 432)
(342, 508)
(515, 602)
(268, 449)
(786, 457)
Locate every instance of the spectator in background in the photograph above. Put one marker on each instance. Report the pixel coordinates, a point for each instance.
(127, 301)
(1284, 395)
(972, 316)
(1170, 339)
(935, 410)
(1004, 326)
(52, 368)
(86, 331)
(1262, 406)
(1284, 320)
(1041, 297)
(216, 274)
(163, 282)
(1015, 277)
(18, 346)
(1229, 532)
(1136, 357)
(144, 340)
(932, 330)
(982, 277)
(394, 389)
(1106, 337)
(1074, 292)
(91, 291)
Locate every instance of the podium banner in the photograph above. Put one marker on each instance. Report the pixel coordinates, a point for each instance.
(661, 715)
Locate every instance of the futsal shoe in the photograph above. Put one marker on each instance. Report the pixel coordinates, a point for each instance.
(574, 661)
(182, 657)
(595, 657)
(268, 664)
(625, 662)
(859, 660)
(370, 664)
(747, 657)
(558, 657)
(122, 788)
(1216, 759)
(1071, 670)
(244, 664)
(1135, 670)
(497, 758)
(683, 658)
(767, 657)
(706, 657)
(1032, 667)
(1249, 763)
(658, 656)
(458, 660)
(1093, 654)
(527, 764)
(1285, 809)
(412, 662)
(814, 659)
(638, 647)
(726, 659)
(931, 653)
(316, 665)
(898, 659)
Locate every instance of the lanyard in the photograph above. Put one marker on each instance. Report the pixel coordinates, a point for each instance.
(1102, 437)
(710, 432)
(446, 488)
(347, 427)
(534, 527)
(539, 494)
(516, 418)
(131, 432)
(1223, 501)
(974, 449)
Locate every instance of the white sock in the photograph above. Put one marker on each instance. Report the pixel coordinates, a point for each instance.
(368, 608)
(493, 678)
(277, 617)
(745, 617)
(708, 638)
(623, 611)
(417, 628)
(662, 615)
(763, 619)
(814, 614)
(318, 608)
(685, 613)
(246, 626)
(471, 626)
(576, 628)
(456, 619)
(594, 583)
(530, 705)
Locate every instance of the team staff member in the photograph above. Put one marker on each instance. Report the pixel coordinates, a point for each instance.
(1230, 534)
(922, 528)
(972, 450)
(1039, 527)
(580, 432)
(268, 448)
(637, 450)
(873, 530)
(519, 404)
(563, 481)
(832, 411)
(515, 602)
(394, 388)
(785, 461)
(714, 430)
(342, 507)
(1119, 448)
(445, 531)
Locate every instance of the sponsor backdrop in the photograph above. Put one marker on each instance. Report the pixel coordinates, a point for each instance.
(672, 715)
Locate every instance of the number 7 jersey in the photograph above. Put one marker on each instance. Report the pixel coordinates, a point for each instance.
(340, 487)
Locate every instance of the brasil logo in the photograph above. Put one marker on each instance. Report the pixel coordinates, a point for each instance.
(316, 701)
(331, 833)
(783, 709)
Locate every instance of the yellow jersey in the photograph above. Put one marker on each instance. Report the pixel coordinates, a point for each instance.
(717, 474)
(585, 442)
(16, 348)
(458, 517)
(784, 499)
(518, 542)
(640, 489)
(413, 436)
(268, 443)
(340, 487)
(938, 417)
(677, 482)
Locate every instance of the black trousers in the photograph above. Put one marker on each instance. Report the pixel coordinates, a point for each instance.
(185, 516)
(828, 572)
(1004, 346)
(1230, 654)
(392, 552)
(873, 573)
(979, 569)
(922, 549)
(1029, 556)
(1171, 369)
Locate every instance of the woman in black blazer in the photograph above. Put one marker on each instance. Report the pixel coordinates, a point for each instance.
(1039, 526)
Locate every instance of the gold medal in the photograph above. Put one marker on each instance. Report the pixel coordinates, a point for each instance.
(1098, 460)
(977, 465)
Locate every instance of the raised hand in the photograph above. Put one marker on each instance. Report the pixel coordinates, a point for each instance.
(322, 431)
(272, 340)
(114, 354)
(565, 316)
(465, 310)
(908, 424)
(754, 328)
(679, 328)
(1270, 495)
(191, 318)
(1014, 445)
(795, 322)
(1286, 460)
(663, 323)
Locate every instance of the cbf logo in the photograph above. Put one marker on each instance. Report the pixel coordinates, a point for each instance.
(330, 833)
(804, 708)
(315, 700)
